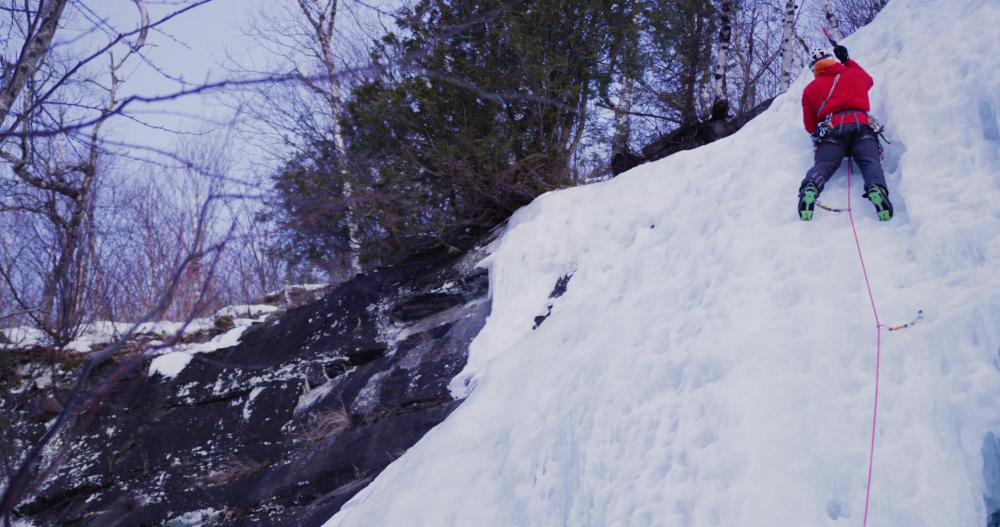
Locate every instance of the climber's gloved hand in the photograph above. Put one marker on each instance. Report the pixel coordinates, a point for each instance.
(841, 53)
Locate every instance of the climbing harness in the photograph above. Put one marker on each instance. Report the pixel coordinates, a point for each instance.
(879, 130)
(875, 124)
(824, 129)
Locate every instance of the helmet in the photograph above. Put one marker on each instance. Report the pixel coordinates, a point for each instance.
(818, 54)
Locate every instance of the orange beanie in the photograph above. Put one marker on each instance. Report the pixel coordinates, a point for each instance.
(823, 64)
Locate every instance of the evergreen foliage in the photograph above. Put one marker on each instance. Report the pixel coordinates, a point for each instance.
(678, 57)
(476, 108)
(310, 206)
(482, 116)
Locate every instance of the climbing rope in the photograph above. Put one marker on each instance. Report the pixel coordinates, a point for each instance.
(878, 340)
(878, 332)
(878, 329)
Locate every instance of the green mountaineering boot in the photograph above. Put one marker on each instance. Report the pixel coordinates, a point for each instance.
(880, 199)
(807, 201)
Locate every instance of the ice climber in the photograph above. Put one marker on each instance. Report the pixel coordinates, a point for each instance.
(835, 111)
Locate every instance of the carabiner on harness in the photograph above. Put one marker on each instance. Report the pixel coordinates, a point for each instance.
(878, 128)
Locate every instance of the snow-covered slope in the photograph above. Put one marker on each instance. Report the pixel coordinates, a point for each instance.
(712, 360)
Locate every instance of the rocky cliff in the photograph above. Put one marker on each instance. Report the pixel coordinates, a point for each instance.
(280, 429)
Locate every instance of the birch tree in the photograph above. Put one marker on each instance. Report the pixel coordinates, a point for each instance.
(52, 191)
(622, 118)
(756, 53)
(720, 104)
(623, 65)
(39, 30)
(788, 45)
(56, 95)
(832, 23)
(289, 119)
(321, 17)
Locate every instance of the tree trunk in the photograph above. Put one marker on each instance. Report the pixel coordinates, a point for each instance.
(749, 81)
(787, 47)
(322, 22)
(619, 143)
(832, 24)
(36, 47)
(691, 91)
(720, 103)
(354, 240)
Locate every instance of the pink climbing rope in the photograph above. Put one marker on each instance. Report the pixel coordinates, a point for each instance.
(878, 340)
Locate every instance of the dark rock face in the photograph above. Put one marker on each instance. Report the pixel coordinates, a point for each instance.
(285, 427)
(688, 137)
(559, 290)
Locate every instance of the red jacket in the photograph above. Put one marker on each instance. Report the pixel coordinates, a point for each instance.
(851, 94)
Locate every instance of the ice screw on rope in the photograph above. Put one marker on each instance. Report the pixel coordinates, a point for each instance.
(920, 316)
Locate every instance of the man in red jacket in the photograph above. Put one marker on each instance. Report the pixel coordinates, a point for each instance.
(835, 112)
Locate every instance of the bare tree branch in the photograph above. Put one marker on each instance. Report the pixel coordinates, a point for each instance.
(36, 47)
(72, 71)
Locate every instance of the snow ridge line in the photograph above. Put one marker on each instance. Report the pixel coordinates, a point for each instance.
(878, 338)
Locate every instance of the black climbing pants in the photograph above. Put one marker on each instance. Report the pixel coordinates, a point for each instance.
(853, 140)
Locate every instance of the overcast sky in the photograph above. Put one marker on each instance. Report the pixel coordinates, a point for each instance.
(197, 47)
(193, 48)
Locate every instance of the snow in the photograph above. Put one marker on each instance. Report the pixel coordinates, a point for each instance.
(247, 411)
(297, 287)
(246, 310)
(712, 360)
(194, 519)
(101, 333)
(170, 363)
(22, 336)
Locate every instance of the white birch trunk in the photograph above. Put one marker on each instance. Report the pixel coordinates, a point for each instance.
(832, 24)
(32, 54)
(322, 19)
(787, 47)
(336, 108)
(353, 238)
(619, 144)
(725, 41)
(720, 97)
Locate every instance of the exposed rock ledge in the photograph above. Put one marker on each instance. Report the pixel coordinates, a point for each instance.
(283, 428)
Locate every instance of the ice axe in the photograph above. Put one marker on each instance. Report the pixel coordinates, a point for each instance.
(828, 37)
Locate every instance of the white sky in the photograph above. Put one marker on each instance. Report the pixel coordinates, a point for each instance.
(193, 48)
